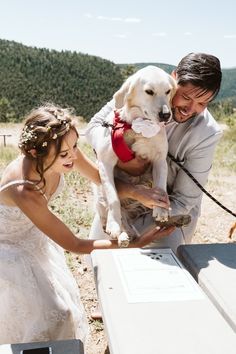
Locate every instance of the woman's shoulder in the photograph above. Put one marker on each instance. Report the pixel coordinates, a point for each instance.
(13, 185)
(12, 172)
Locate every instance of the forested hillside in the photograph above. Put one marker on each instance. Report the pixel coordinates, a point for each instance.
(228, 87)
(30, 76)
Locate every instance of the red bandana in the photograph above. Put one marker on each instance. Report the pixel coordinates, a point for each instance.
(121, 149)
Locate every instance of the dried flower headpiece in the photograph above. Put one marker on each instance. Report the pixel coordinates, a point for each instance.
(27, 135)
(30, 135)
(59, 114)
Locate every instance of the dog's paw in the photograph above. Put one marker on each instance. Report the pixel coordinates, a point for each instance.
(123, 240)
(160, 214)
(113, 229)
(176, 220)
(103, 222)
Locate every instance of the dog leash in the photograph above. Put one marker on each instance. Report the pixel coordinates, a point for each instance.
(108, 125)
(199, 185)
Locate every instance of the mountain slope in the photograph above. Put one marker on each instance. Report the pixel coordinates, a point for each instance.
(30, 76)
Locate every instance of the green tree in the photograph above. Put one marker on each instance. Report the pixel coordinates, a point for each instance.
(6, 111)
(128, 70)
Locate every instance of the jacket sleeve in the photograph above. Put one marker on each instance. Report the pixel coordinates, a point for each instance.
(95, 124)
(184, 194)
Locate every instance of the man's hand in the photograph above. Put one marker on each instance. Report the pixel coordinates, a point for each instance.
(150, 197)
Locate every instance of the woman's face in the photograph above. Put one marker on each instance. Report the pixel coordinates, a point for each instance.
(189, 101)
(65, 160)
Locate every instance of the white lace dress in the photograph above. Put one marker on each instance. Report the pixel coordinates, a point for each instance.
(39, 298)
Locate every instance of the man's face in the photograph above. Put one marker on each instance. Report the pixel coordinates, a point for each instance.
(189, 101)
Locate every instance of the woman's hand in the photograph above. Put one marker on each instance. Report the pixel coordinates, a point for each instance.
(151, 236)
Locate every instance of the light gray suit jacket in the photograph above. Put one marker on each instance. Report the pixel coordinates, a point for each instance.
(192, 143)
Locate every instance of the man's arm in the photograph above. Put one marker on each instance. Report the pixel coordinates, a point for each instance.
(95, 123)
(185, 194)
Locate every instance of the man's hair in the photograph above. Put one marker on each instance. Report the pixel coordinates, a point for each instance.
(201, 70)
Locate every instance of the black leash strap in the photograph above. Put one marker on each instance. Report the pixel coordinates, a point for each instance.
(107, 125)
(199, 185)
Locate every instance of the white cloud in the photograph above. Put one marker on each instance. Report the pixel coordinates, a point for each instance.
(120, 19)
(121, 36)
(187, 33)
(105, 18)
(114, 19)
(132, 20)
(160, 34)
(88, 15)
(230, 36)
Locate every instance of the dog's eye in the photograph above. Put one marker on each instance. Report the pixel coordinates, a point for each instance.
(167, 92)
(149, 92)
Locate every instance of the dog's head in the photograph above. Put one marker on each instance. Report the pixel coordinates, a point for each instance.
(147, 94)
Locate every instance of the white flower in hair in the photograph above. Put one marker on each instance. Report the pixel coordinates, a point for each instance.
(27, 135)
(145, 127)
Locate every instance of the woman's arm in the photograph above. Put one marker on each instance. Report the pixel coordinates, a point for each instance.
(147, 238)
(86, 167)
(34, 206)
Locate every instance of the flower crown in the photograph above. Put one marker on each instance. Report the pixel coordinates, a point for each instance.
(29, 134)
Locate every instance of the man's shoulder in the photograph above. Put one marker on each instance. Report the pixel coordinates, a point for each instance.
(205, 129)
(205, 122)
(200, 129)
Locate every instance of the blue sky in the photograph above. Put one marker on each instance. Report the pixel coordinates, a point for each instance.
(125, 31)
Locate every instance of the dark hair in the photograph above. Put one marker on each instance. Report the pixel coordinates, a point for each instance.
(201, 70)
(45, 127)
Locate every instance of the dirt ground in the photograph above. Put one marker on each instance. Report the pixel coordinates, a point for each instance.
(213, 227)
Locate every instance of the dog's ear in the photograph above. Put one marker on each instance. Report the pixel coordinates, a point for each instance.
(121, 94)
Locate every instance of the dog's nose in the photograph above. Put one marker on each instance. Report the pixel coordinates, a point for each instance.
(164, 114)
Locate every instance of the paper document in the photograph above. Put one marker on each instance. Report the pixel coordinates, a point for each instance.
(156, 275)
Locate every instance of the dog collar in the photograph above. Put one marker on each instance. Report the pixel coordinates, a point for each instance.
(121, 149)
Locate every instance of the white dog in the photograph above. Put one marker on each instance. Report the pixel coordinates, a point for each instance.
(136, 127)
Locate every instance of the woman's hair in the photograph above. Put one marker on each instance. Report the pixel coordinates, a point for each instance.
(44, 127)
(202, 70)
